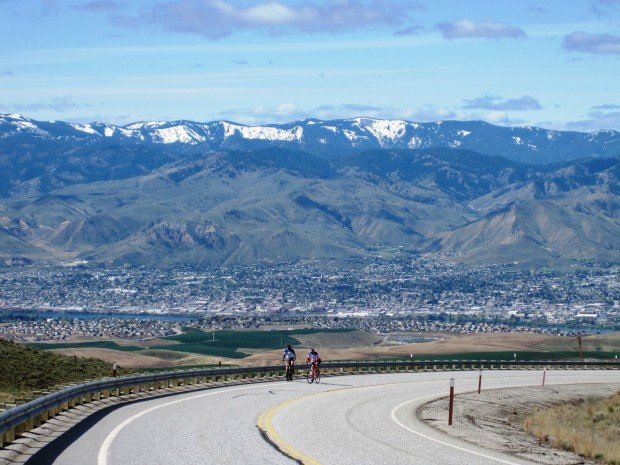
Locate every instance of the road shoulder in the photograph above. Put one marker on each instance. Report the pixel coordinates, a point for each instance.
(493, 418)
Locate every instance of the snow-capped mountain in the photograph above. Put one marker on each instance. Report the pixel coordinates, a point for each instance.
(160, 193)
(328, 139)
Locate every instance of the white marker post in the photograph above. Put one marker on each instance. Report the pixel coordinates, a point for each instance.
(479, 381)
(544, 375)
(451, 406)
(114, 369)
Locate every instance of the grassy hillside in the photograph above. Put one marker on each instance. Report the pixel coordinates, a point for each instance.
(26, 368)
(590, 428)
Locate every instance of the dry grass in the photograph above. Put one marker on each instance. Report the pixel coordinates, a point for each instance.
(591, 428)
(8, 396)
(608, 342)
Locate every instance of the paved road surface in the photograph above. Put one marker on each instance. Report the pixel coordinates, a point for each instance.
(357, 420)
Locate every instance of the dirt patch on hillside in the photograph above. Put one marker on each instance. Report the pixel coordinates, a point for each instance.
(156, 359)
(124, 359)
(493, 419)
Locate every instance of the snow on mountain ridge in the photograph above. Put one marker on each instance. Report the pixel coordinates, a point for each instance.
(87, 128)
(337, 135)
(387, 130)
(177, 134)
(263, 132)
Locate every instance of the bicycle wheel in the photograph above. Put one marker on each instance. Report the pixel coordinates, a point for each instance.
(309, 377)
(317, 378)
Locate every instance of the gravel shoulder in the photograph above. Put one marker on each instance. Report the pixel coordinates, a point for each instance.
(492, 419)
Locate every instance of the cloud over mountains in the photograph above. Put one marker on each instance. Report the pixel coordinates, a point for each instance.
(495, 102)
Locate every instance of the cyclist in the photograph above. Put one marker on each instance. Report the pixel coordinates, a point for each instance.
(289, 356)
(314, 358)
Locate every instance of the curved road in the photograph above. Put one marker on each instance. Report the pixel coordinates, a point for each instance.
(357, 420)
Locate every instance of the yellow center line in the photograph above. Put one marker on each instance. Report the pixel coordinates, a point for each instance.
(266, 426)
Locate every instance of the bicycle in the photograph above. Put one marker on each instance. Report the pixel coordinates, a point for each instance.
(314, 374)
(290, 370)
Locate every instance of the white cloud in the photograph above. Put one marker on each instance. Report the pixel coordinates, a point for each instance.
(220, 18)
(468, 29)
(598, 44)
(495, 102)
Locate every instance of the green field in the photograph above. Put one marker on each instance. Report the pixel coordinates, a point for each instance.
(229, 344)
(81, 345)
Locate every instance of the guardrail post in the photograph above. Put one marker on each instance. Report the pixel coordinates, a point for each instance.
(544, 376)
(9, 435)
(19, 429)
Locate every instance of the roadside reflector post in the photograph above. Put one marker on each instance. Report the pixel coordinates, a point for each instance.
(544, 375)
(479, 381)
(451, 406)
(114, 369)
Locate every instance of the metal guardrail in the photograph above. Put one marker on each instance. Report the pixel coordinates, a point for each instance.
(25, 417)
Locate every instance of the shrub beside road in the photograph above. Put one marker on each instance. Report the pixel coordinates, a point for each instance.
(25, 369)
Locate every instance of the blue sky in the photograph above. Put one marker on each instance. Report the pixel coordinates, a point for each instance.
(552, 63)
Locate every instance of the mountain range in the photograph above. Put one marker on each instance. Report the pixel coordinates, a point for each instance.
(163, 193)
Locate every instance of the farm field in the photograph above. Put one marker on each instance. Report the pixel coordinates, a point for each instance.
(195, 347)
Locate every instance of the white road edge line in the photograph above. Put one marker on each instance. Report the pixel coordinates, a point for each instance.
(480, 454)
(398, 422)
(102, 457)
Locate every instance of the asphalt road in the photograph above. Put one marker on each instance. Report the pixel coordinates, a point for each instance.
(357, 420)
